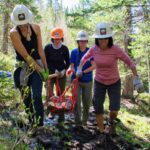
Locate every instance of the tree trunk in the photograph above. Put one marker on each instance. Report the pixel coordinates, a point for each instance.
(128, 87)
(127, 38)
(4, 47)
(146, 17)
(148, 64)
(128, 82)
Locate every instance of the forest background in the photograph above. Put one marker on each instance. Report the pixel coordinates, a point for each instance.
(129, 19)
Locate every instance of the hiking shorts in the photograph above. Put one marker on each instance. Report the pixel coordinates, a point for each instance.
(114, 94)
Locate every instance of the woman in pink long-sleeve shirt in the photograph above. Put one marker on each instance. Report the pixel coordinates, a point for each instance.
(107, 63)
(107, 79)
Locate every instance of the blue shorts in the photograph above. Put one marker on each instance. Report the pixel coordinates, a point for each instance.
(114, 93)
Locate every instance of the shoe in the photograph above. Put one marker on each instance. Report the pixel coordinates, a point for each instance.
(110, 128)
(61, 118)
(78, 128)
(84, 124)
(101, 140)
(51, 116)
(44, 140)
(61, 125)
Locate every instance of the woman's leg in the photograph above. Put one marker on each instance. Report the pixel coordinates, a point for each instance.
(52, 82)
(36, 83)
(25, 94)
(62, 84)
(86, 100)
(77, 110)
(114, 92)
(98, 101)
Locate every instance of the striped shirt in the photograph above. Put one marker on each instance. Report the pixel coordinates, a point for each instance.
(107, 63)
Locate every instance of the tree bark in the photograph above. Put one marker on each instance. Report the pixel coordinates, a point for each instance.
(4, 47)
(127, 38)
(146, 17)
(128, 82)
(128, 87)
(148, 63)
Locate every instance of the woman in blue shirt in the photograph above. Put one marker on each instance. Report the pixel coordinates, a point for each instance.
(84, 92)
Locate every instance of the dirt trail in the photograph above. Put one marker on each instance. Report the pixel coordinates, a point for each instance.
(71, 138)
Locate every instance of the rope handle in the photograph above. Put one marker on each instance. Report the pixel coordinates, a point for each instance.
(74, 93)
(50, 94)
(73, 86)
(58, 90)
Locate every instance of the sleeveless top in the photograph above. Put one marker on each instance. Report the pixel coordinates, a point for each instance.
(31, 46)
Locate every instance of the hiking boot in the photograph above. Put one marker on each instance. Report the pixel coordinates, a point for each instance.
(84, 124)
(51, 116)
(78, 128)
(110, 128)
(44, 140)
(101, 140)
(61, 118)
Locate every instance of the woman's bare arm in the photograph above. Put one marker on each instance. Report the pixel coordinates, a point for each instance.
(40, 47)
(19, 47)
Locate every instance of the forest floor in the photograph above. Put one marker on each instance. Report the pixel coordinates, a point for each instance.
(133, 130)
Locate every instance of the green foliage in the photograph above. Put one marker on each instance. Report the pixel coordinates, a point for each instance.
(7, 90)
(125, 24)
(133, 125)
(7, 7)
(78, 18)
(7, 62)
(140, 49)
(134, 128)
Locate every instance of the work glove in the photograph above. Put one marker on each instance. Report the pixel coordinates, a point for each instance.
(57, 72)
(62, 73)
(73, 69)
(79, 72)
(44, 74)
(138, 84)
(69, 72)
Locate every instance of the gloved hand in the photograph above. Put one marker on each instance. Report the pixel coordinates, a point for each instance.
(58, 73)
(44, 74)
(138, 84)
(69, 72)
(79, 72)
(62, 73)
(72, 69)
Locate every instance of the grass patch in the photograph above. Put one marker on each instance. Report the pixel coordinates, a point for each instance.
(134, 122)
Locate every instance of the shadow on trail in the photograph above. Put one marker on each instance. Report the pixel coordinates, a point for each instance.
(68, 137)
(137, 107)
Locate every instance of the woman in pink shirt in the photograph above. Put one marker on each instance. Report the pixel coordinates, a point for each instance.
(107, 79)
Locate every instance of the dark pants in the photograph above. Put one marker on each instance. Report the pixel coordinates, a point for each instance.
(84, 95)
(114, 92)
(32, 96)
(61, 81)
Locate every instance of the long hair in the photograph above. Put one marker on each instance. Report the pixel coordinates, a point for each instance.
(110, 42)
